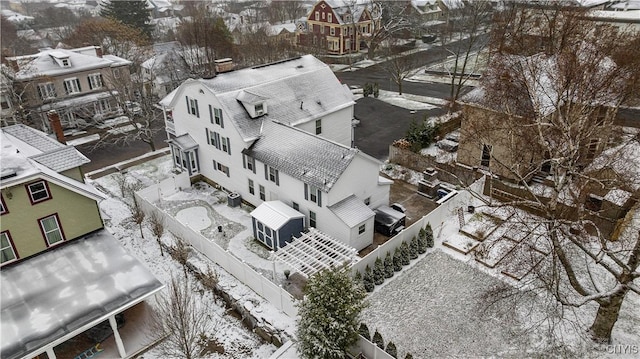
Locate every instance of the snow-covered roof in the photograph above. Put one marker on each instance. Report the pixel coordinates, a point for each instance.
(344, 7)
(80, 59)
(29, 154)
(77, 101)
(352, 211)
(67, 290)
(301, 155)
(616, 16)
(297, 91)
(275, 214)
(185, 142)
(627, 5)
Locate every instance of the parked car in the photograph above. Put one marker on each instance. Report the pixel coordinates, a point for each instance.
(132, 108)
(388, 221)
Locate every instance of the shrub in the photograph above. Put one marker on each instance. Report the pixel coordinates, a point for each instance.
(421, 134)
(376, 90)
(429, 235)
(364, 331)
(391, 350)
(422, 241)
(408, 356)
(404, 254)
(378, 272)
(358, 278)
(397, 260)
(367, 280)
(388, 266)
(377, 340)
(413, 248)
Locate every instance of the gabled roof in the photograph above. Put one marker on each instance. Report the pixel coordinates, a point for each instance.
(80, 59)
(352, 211)
(301, 155)
(29, 154)
(275, 214)
(296, 91)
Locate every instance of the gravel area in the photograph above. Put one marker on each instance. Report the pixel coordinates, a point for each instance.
(434, 311)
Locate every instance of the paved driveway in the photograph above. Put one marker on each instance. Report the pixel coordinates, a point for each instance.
(382, 123)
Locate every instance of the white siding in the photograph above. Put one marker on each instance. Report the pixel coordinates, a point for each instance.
(335, 126)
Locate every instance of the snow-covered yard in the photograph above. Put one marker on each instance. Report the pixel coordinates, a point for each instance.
(202, 210)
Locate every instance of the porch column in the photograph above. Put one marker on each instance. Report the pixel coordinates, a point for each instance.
(51, 354)
(116, 335)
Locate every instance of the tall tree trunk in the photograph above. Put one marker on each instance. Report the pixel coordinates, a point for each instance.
(607, 316)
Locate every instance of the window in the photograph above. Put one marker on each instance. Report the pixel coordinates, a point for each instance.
(72, 86)
(226, 145)
(329, 17)
(312, 219)
(50, 227)
(65, 63)
(367, 201)
(313, 194)
(249, 163)
(259, 109)
(332, 31)
(3, 207)
(322, 29)
(213, 138)
(38, 192)
(262, 195)
(323, 16)
(217, 112)
(486, 155)
(251, 188)
(103, 106)
(318, 127)
(192, 107)
(347, 18)
(295, 206)
(47, 91)
(7, 250)
(271, 174)
(220, 167)
(362, 229)
(593, 147)
(317, 16)
(95, 81)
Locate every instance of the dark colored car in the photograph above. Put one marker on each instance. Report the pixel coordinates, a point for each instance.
(388, 221)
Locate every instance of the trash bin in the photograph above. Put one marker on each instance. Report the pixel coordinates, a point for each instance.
(234, 199)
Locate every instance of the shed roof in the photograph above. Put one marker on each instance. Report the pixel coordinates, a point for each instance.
(65, 291)
(275, 214)
(352, 211)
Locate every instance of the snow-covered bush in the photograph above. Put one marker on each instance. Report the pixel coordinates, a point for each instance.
(422, 241)
(404, 252)
(429, 235)
(378, 272)
(391, 350)
(377, 340)
(364, 331)
(397, 260)
(413, 248)
(367, 280)
(388, 266)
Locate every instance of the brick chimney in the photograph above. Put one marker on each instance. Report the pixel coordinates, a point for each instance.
(56, 126)
(98, 51)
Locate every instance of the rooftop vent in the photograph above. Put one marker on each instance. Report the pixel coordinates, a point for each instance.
(7, 173)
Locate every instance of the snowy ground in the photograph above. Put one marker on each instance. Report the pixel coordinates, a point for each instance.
(236, 339)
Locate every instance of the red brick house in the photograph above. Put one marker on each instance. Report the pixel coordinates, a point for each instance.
(339, 27)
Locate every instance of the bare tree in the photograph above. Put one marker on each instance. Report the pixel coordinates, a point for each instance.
(553, 115)
(399, 67)
(180, 252)
(258, 46)
(284, 10)
(461, 37)
(391, 19)
(181, 322)
(156, 224)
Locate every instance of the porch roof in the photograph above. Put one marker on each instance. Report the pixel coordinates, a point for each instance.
(59, 294)
(184, 142)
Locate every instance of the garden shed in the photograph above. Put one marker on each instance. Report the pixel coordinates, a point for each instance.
(275, 224)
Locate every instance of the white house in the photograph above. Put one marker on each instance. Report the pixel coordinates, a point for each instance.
(280, 132)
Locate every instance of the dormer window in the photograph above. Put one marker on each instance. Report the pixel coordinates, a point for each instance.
(65, 63)
(61, 58)
(254, 104)
(259, 109)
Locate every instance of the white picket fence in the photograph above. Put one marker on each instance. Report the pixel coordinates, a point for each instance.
(275, 294)
(436, 217)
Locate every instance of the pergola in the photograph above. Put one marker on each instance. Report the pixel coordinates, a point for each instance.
(315, 251)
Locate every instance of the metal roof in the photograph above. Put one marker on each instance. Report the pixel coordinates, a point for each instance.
(275, 214)
(352, 211)
(67, 290)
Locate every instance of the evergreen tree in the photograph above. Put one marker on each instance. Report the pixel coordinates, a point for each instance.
(404, 253)
(397, 260)
(133, 13)
(377, 340)
(422, 241)
(329, 315)
(378, 272)
(413, 248)
(429, 235)
(367, 280)
(391, 350)
(388, 265)
(358, 279)
(408, 356)
(364, 331)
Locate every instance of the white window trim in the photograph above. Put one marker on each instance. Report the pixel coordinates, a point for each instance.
(95, 81)
(45, 190)
(72, 85)
(47, 90)
(58, 228)
(9, 245)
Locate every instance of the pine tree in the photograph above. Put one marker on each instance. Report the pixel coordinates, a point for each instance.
(378, 272)
(397, 260)
(358, 279)
(391, 350)
(429, 235)
(413, 248)
(388, 266)
(367, 280)
(422, 241)
(404, 252)
(377, 340)
(131, 12)
(329, 315)
(364, 331)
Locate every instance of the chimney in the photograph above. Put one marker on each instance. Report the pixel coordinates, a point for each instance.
(98, 51)
(56, 126)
